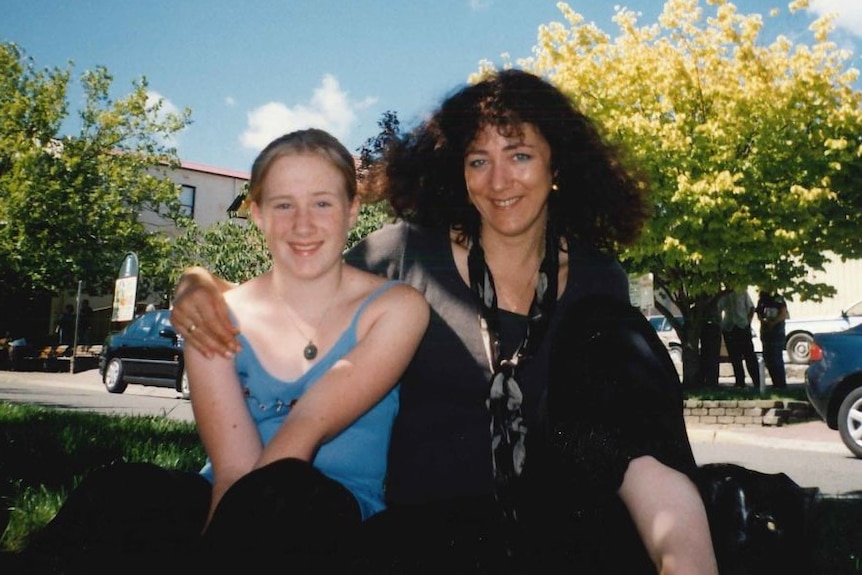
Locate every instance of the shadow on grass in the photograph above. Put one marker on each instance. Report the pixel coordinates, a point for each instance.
(44, 453)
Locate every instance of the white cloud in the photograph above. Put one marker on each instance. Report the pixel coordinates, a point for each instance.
(167, 107)
(480, 4)
(229, 101)
(329, 109)
(849, 13)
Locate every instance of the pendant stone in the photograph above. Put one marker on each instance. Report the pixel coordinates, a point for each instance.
(310, 351)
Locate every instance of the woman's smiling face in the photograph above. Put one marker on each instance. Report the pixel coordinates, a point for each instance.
(509, 177)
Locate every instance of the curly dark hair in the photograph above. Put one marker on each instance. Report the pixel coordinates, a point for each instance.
(598, 203)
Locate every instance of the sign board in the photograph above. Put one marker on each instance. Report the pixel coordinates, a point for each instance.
(125, 289)
(641, 292)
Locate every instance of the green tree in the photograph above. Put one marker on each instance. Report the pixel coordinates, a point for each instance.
(71, 205)
(371, 217)
(753, 149)
(234, 250)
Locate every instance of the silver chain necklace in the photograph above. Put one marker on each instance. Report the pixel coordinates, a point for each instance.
(309, 352)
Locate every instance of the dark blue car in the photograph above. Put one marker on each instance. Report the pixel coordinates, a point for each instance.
(147, 351)
(833, 382)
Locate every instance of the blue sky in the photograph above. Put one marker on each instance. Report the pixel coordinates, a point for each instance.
(255, 69)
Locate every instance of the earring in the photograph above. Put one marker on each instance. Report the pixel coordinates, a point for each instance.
(555, 187)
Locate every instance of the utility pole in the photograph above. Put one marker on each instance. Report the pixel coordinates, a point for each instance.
(75, 336)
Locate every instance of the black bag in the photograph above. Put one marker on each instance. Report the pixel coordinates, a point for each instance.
(761, 523)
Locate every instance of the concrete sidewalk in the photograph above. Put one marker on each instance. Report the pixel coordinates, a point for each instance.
(806, 436)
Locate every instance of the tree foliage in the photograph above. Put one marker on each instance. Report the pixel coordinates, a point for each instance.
(752, 148)
(70, 204)
(232, 249)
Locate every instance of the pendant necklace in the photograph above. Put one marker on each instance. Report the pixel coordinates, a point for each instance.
(309, 352)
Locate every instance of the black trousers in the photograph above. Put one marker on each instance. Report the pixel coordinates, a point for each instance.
(710, 352)
(141, 518)
(740, 349)
(773, 356)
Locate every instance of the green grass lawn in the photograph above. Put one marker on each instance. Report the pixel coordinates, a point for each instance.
(44, 453)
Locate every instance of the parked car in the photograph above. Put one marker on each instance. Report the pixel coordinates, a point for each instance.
(148, 351)
(799, 333)
(668, 336)
(833, 382)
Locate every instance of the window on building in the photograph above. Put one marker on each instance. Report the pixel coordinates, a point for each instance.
(187, 199)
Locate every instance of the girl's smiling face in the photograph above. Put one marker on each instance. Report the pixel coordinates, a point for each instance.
(304, 213)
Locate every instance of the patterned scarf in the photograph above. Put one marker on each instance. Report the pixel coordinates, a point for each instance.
(508, 428)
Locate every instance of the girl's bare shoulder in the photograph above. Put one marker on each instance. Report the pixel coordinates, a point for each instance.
(252, 291)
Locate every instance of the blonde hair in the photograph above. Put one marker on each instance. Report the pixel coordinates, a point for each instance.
(310, 141)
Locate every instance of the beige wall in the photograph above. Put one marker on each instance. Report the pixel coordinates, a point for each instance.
(215, 190)
(845, 277)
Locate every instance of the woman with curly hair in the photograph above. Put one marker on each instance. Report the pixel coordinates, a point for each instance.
(540, 426)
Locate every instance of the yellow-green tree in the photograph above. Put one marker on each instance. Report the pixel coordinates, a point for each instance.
(753, 149)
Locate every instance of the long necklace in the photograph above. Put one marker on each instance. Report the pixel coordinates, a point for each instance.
(508, 429)
(309, 352)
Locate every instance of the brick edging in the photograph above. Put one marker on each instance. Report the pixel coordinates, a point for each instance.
(759, 412)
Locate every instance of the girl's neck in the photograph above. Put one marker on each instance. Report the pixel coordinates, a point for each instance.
(307, 296)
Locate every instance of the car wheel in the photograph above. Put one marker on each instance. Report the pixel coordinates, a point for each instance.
(184, 385)
(113, 378)
(799, 348)
(850, 421)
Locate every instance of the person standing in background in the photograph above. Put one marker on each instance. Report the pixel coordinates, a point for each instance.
(710, 344)
(737, 310)
(66, 325)
(772, 311)
(85, 322)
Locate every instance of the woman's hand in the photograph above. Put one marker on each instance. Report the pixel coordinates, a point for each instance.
(200, 314)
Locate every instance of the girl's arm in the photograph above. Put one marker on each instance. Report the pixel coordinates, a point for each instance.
(224, 425)
(390, 331)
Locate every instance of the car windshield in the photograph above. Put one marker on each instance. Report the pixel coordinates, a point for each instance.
(140, 327)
